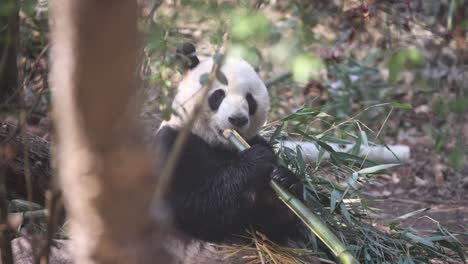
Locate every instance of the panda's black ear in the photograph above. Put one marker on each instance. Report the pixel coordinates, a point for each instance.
(187, 53)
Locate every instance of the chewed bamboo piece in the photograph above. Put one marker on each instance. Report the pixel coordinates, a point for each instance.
(306, 216)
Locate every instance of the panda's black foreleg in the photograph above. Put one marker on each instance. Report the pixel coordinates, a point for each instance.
(280, 173)
(270, 215)
(217, 206)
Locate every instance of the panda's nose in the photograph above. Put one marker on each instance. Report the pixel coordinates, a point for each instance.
(238, 121)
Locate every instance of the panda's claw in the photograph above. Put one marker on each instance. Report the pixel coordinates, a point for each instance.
(287, 178)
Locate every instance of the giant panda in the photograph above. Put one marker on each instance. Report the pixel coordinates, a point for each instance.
(217, 192)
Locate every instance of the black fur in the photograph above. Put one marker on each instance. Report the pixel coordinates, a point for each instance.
(217, 193)
(252, 103)
(215, 99)
(187, 53)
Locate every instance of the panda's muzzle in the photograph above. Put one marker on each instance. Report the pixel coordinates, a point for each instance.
(238, 121)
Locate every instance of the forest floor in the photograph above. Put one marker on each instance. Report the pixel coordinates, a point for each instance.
(425, 181)
(433, 178)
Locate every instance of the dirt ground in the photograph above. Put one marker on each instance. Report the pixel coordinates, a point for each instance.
(426, 181)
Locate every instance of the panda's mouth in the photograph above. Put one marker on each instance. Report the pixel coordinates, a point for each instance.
(219, 132)
(221, 136)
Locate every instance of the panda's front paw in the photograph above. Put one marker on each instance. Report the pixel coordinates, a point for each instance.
(287, 179)
(259, 154)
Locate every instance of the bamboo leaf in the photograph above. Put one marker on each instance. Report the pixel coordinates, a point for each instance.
(402, 106)
(377, 168)
(277, 133)
(345, 212)
(300, 159)
(221, 77)
(411, 214)
(419, 239)
(204, 78)
(334, 197)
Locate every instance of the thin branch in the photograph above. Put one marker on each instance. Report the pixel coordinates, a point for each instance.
(27, 165)
(169, 167)
(155, 7)
(53, 203)
(6, 233)
(34, 64)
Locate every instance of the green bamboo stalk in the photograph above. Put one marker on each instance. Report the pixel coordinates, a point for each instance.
(314, 223)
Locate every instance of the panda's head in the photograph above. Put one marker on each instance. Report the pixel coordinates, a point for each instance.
(242, 104)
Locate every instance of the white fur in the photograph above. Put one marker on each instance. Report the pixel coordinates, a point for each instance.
(242, 79)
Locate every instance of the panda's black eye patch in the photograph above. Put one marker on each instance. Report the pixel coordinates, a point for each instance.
(252, 103)
(215, 99)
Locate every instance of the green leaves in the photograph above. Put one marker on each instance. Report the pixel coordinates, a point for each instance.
(7, 8)
(249, 25)
(306, 66)
(402, 59)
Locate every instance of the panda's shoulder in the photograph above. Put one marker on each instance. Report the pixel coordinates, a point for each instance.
(167, 135)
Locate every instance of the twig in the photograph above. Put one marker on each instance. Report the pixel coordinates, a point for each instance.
(259, 251)
(308, 218)
(53, 199)
(11, 30)
(27, 166)
(27, 79)
(4, 58)
(35, 62)
(142, 65)
(6, 233)
(183, 135)
(155, 7)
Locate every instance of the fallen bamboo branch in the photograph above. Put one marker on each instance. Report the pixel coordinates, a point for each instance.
(307, 217)
(379, 154)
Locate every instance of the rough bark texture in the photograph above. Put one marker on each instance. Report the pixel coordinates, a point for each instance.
(12, 162)
(104, 168)
(8, 42)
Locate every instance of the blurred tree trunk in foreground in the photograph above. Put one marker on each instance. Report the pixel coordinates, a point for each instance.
(104, 168)
(8, 41)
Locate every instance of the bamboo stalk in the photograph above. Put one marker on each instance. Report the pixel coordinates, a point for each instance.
(314, 223)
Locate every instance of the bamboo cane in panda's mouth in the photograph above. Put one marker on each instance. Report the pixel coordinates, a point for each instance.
(294, 204)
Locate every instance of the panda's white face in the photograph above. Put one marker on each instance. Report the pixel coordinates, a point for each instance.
(242, 104)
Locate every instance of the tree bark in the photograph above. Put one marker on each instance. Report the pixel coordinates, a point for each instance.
(8, 44)
(104, 168)
(12, 162)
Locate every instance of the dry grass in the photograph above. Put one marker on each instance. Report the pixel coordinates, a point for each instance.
(261, 250)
